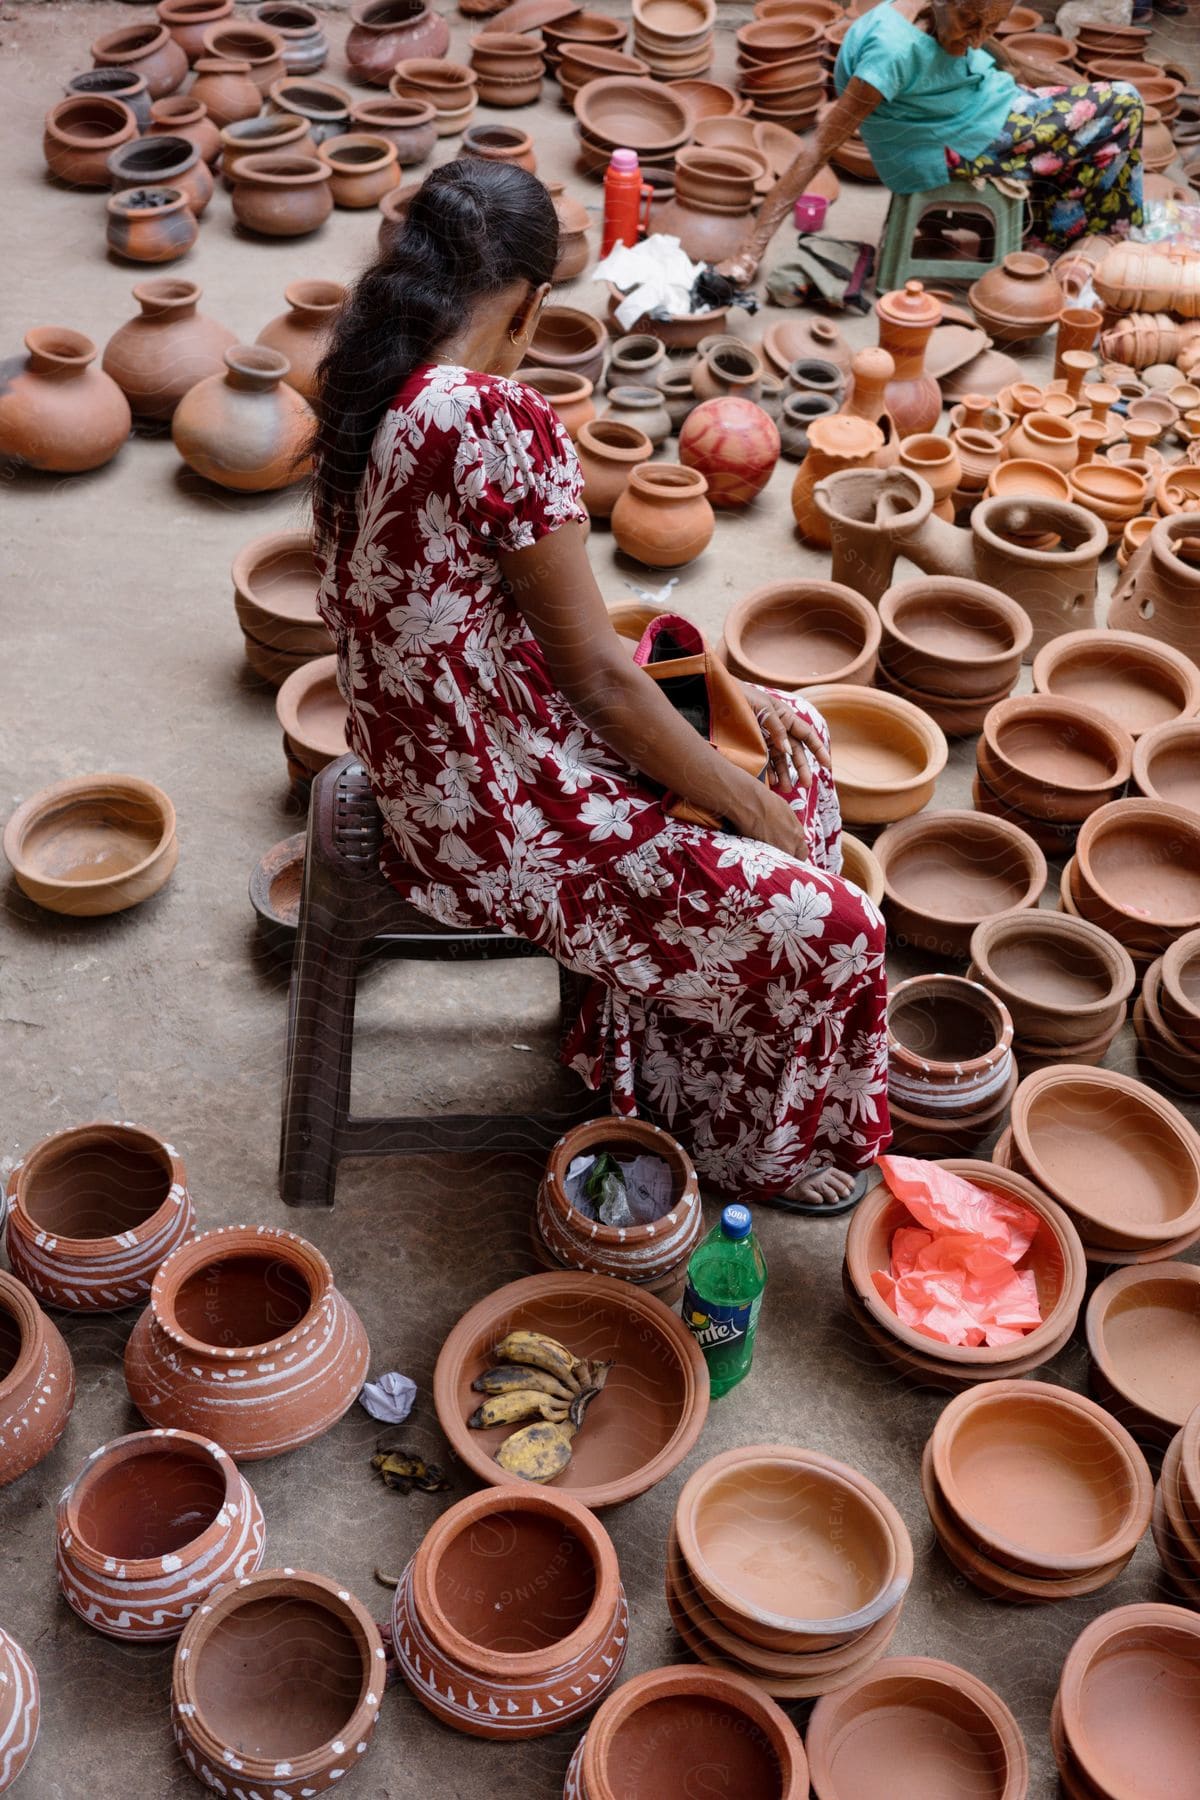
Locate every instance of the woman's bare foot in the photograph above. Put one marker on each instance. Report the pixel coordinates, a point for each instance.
(824, 1187)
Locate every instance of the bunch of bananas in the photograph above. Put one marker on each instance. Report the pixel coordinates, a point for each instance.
(538, 1378)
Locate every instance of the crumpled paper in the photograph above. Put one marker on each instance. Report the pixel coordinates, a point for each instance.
(390, 1398)
(953, 1275)
(643, 1193)
(656, 276)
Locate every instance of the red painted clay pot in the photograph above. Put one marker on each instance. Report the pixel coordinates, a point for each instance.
(57, 412)
(384, 32)
(147, 50)
(510, 1621)
(734, 444)
(79, 135)
(302, 333)
(20, 1709)
(246, 429)
(37, 1381)
(246, 1314)
(149, 1527)
(156, 357)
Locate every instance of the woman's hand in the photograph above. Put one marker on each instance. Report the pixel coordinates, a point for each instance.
(741, 269)
(787, 735)
(759, 812)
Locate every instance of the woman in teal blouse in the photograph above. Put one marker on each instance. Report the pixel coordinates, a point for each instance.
(931, 105)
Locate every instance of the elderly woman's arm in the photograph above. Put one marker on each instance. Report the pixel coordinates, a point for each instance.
(856, 103)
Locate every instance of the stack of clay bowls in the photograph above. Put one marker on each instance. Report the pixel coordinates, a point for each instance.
(1066, 984)
(1118, 1157)
(508, 67)
(782, 76)
(1055, 1258)
(1143, 1336)
(1124, 1720)
(951, 647)
(946, 872)
(275, 580)
(621, 111)
(312, 716)
(951, 1074)
(1176, 1521)
(1166, 764)
(887, 755)
(1136, 874)
(1167, 1016)
(675, 37)
(787, 1567)
(1046, 763)
(450, 88)
(1035, 1493)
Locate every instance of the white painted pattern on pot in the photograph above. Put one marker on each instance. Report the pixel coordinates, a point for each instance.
(20, 1709)
(573, 1788)
(640, 1253)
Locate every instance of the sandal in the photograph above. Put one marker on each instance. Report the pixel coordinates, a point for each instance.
(808, 1209)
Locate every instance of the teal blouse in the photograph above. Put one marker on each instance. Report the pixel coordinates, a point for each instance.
(931, 101)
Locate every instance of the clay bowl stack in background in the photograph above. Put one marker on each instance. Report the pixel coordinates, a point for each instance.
(1143, 1336)
(1046, 763)
(951, 647)
(675, 37)
(787, 1567)
(1066, 984)
(1166, 1017)
(951, 1074)
(1036, 1494)
(1176, 1521)
(1124, 1720)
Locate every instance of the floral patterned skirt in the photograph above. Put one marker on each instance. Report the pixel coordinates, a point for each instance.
(1080, 150)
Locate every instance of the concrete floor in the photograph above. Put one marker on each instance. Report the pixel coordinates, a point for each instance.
(123, 652)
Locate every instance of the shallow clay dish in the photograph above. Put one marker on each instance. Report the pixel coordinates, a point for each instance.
(794, 633)
(914, 1728)
(93, 845)
(947, 872)
(312, 714)
(887, 755)
(650, 1413)
(619, 111)
(1166, 763)
(1053, 757)
(1062, 979)
(1137, 872)
(951, 637)
(1143, 1335)
(276, 881)
(1130, 1703)
(1134, 679)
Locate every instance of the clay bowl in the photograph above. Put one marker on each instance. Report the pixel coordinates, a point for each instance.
(1052, 757)
(1176, 1066)
(1122, 1160)
(1055, 1258)
(683, 332)
(710, 100)
(949, 1043)
(947, 872)
(1130, 1702)
(957, 718)
(92, 845)
(791, 1549)
(1041, 1479)
(1143, 1336)
(1134, 679)
(1062, 980)
(1137, 873)
(1022, 479)
(1180, 989)
(887, 755)
(275, 580)
(658, 1388)
(567, 338)
(312, 714)
(1166, 763)
(276, 881)
(794, 633)
(861, 866)
(949, 1732)
(636, 115)
(955, 638)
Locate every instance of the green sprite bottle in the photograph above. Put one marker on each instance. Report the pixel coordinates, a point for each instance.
(721, 1302)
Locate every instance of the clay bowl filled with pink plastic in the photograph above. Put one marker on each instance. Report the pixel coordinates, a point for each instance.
(1166, 763)
(1133, 679)
(1137, 874)
(644, 1423)
(1053, 758)
(1128, 1708)
(1064, 981)
(957, 638)
(794, 633)
(1143, 1335)
(946, 872)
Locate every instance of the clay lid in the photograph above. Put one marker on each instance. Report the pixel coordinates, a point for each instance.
(1143, 1335)
(843, 435)
(911, 305)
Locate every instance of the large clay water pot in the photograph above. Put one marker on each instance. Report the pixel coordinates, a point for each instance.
(907, 317)
(384, 32)
(246, 429)
(57, 412)
(302, 333)
(1159, 593)
(79, 134)
(835, 443)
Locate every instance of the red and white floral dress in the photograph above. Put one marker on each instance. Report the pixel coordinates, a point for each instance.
(738, 994)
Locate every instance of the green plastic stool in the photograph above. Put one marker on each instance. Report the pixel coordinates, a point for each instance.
(897, 264)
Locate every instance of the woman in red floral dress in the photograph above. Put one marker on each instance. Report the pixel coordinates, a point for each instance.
(521, 759)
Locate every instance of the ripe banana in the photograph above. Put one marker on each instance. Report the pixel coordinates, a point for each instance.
(522, 1403)
(508, 1377)
(541, 1352)
(538, 1453)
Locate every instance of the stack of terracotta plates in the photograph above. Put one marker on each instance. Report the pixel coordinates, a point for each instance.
(1143, 1336)
(275, 581)
(1136, 874)
(1167, 1017)
(1176, 1521)
(951, 1074)
(1066, 984)
(1047, 762)
(1124, 1719)
(674, 36)
(1035, 1493)
(788, 1567)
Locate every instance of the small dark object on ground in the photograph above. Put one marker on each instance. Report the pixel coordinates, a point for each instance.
(404, 1470)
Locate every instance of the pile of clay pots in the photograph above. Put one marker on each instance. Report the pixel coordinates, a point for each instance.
(1047, 762)
(1166, 1016)
(786, 1567)
(951, 1072)
(954, 648)
(781, 65)
(1136, 874)
(1124, 1717)
(1176, 1521)
(1066, 984)
(674, 37)
(275, 580)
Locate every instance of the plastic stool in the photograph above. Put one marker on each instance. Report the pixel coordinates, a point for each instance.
(1000, 212)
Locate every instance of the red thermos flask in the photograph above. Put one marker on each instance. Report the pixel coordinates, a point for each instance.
(626, 201)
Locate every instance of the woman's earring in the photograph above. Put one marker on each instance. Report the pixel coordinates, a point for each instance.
(515, 337)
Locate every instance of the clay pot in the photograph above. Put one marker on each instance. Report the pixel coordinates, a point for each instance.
(302, 333)
(163, 162)
(311, 711)
(262, 136)
(617, 111)
(887, 755)
(1115, 494)
(410, 126)
(1156, 595)
(120, 84)
(362, 168)
(936, 459)
(304, 43)
(188, 20)
(573, 222)
(713, 197)
(906, 321)
(1018, 300)
(836, 443)
(281, 194)
(954, 638)
(282, 1674)
(1063, 981)
(56, 411)
(796, 414)
(224, 1307)
(1180, 994)
(1138, 873)
(1133, 680)
(37, 1387)
(500, 143)
(225, 90)
(979, 455)
(325, 105)
(275, 581)
(947, 872)
(1040, 437)
(727, 369)
(643, 407)
(569, 395)
(449, 87)
(567, 338)
(147, 50)
(638, 359)
(582, 63)
(663, 517)
(20, 1708)
(150, 224)
(181, 116)
(793, 633)
(1144, 1342)
(1166, 764)
(149, 1527)
(1078, 328)
(861, 866)
(384, 32)
(608, 453)
(1126, 1702)
(246, 429)
(734, 445)
(256, 45)
(92, 845)
(95, 1210)
(80, 134)
(949, 1043)
(509, 67)
(1052, 757)
(1055, 584)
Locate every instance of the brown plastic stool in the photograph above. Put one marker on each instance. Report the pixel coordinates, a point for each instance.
(346, 906)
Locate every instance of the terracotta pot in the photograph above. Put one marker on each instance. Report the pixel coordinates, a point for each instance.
(735, 446)
(225, 90)
(325, 105)
(37, 1386)
(246, 429)
(979, 455)
(1056, 584)
(1135, 681)
(362, 168)
(957, 718)
(304, 44)
(1156, 595)
(312, 715)
(837, 443)
(949, 1043)
(1078, 329)
(952, 637)
(1138, 873)
(510, 60)
(449, 87)
(80, 134)
(1180, 995)
(643, 407)
(861, 866)
(906, 322)
(569, 395)
(121, 84)
(793, 633)
(262, 136)
(149, 1527)
(302, 333)
(1040, 437)
(1018, 300)
(796, 414)
(92, 845)
(157, 356)
(638, 359)
(384, 32)
(181, 116)
(410, 126)
(150, 224)
(1062, 980)
(275, 581)
(188, 20)
(147, 50)
(500, 143)
(283, 1674)
(663, 517)
(727, 369)
(20, 1709)
(887, 755)
(947, 872)
(281, 194)
(1127, 1700)
(1053, 757)
(1166, 762)
(581, 63)
(224, 1307)
(56, 411)
(692, 1721)
(935, 458)
(567, 338)
(256, 45)
(573, 222)
(608, 453)
(1144, 1342)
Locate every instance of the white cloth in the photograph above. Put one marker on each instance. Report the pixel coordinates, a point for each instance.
(656, 277)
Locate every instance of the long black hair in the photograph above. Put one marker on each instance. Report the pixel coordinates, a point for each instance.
(473, 227)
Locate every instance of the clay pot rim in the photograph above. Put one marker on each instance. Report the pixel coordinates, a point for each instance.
(333, 149)
(187, 156)
(220, 65)
(287, 1584)
(310, 88)
(639, 1134)
(1149, 1024)
(942, 984)
(669, 481)
(178, 109)
(265, 549)
(295, 691)
(271, 44)
(311, 18)
(144, 39)
(588, 323)
(831, 596)
(508, 43)
(395, 110)
(287, 128)
(573, 387)
(1032, 922)
(1048, 515)
(1112, 1288)
(738, 1692)
(281, 168)
(19, 1303)
(646, 138)
(1099, 1639)
(190, 12)
(314, 293)
(1177, 955)
(1132, 646)
(615, 439)
(1005, 481)
(899, 835)
(1060, 708)
(876, 701)
(190, 1446)
(362, 13)
(60, 796)
(219, 1245)
(516, 1497)
(1160, 814)
(128, 201)
(138, 1136)
(125, 125)
(948, 588)
(498, 135)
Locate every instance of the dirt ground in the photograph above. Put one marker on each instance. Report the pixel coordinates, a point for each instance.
(122, 651)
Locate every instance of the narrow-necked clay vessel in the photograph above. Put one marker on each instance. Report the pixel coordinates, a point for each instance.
(793, 633)
(149, 1527)
(385, 31)
(224, 88)
(946, 871)
(244, 1313)
(79, 135)
(181, 116)
(57, 412)
(95, 1211)
(166, 349)
(149, 50)
(282, 194)
(609, 451)
(278, 1677)
(510, 1621)
(150, 224)
(664, 518)
(37, 1381)
(302, 333)
(20, 1709)
(246, 429)
(1129, 1700)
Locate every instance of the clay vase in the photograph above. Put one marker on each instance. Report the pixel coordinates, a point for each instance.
(282, 194)
(510, 1621)
(79, 135)
(608, 452)
(664, 518)
(115, 84)
(500, 143)
(246, 429)
(57, 412)
(643, 407)
(20, 1709)
(304, 43)
(835, 443)
(937, 460)
(573, 221)
(302, 333)
(281, 1677)
(37, 1383)
(181, 116)
(163, 162)
(188, 20)
(1159, 593)
(149, 1527)
(95, 1211)
(728, 368)
(1042, 438)
(384, 32)
(866, 398)
(410, 126)
(246, 1311)
(150, 224)
(734, 445)
(225, 90)
(907, 318)
(147, 50)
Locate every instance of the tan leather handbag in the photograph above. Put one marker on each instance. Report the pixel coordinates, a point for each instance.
(673, 652)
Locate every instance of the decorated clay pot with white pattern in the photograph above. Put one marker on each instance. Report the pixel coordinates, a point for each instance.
(510, 1621)
(246, 1340)
(149, 1527)
(277, 1686)
(20, 1710)
(37, 1381)
(95, 1210)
